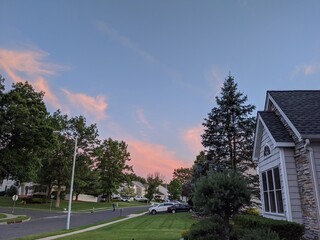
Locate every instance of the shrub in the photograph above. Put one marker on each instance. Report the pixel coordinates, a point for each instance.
(251, 211)
(12, 191)
(2, 193)
(207, 229)
(259, 234)
(286, 230)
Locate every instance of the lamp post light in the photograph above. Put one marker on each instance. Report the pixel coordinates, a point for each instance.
(72, 180)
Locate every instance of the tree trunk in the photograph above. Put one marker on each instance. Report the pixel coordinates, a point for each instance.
(77, 195)
(58, 196)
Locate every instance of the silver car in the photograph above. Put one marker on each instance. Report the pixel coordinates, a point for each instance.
(162, 207)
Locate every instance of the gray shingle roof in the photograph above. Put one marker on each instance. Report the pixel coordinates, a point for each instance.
(302, 108)
(276, 128)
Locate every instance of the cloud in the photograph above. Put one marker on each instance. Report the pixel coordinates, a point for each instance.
(310, 69)
(149, 158)
(126, 42)
(192, 137)
(215, 77)
(94, 106)
(141, 118)
(30, 66)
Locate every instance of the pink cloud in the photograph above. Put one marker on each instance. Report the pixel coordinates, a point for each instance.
(149, 158)
(192, 137)
(29, 66)
(93, 106)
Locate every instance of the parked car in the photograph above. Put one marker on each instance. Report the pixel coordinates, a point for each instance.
(141, 199)
(162, 207)
(179, 208)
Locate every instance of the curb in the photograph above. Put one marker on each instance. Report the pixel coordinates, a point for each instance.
(92, 228)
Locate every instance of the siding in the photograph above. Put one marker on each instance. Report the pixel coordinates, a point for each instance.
(293, 185)
(266, 163)
(316, 154)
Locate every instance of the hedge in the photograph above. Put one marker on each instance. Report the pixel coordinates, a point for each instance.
(286, 230)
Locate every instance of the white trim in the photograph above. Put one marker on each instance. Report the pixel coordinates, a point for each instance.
(285, 184)
(296, 132)
(256, 137)
(269, 134)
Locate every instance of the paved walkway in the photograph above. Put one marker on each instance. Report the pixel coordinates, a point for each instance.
(93, 228)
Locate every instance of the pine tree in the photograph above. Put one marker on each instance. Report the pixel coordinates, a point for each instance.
(228, 132)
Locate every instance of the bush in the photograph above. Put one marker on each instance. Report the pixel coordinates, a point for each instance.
(260, 234)
(2, 193)
(251, 211)
(12, 191)
(207, 229)
(286, 230)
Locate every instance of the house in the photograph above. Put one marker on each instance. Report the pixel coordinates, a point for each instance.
(23, 188)
(287, 148)
(139, 188)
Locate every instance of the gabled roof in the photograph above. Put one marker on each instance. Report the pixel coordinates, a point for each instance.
(275, 127)
(301, 108)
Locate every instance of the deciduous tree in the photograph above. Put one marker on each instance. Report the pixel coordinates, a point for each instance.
(112, 159)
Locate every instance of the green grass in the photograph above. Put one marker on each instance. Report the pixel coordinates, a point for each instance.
(2, 216)
(15, 220)
(158, 227)
(76, 205)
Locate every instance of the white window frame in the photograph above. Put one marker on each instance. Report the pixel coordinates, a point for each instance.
(273, 199)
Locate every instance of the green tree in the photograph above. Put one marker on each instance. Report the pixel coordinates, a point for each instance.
(221, 194)
(183, 175)
(57, 167)
(154, 181)
(25, 131)
(228, 134)
(174, 189)
(112, 159)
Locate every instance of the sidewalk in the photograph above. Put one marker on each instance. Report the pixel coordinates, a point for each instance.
(92, 228)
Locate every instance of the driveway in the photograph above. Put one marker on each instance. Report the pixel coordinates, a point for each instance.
(42, 222)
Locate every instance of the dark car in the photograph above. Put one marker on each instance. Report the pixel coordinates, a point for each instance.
(179, 208)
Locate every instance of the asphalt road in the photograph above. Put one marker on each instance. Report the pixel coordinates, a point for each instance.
(42, 222)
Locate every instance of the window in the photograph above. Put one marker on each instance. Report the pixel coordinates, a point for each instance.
(272, 193)
(266, 150)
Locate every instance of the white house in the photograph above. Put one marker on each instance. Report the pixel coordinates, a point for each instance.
(287, 148)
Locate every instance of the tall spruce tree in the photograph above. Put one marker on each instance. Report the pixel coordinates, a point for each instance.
(228, 132)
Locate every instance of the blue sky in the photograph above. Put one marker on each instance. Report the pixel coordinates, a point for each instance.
(147, 72)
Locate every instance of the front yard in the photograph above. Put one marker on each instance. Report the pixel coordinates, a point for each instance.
(156, 227)
(76, 205)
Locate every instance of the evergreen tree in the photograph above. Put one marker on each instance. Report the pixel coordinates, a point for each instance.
(228, 134)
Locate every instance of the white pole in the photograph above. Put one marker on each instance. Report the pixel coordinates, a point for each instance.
(71, 185)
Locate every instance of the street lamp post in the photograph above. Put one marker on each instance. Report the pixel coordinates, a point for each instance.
(72, 179)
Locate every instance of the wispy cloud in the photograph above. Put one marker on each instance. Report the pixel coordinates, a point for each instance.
(30, 66)
(126, 42)
(141, 118)
(192, 137)
(94, 106)
(148, 158)
(310, 69)
(215, 77)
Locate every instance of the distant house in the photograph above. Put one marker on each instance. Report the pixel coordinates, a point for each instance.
(139, 188)
(287, 148)
(23, 188)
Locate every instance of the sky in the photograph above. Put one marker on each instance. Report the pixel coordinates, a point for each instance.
(148, 71)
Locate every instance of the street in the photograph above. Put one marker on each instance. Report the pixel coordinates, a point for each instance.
(42, 222)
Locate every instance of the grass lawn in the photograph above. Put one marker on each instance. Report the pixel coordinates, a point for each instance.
(76, 205)
(154, 227)
(2, 216)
